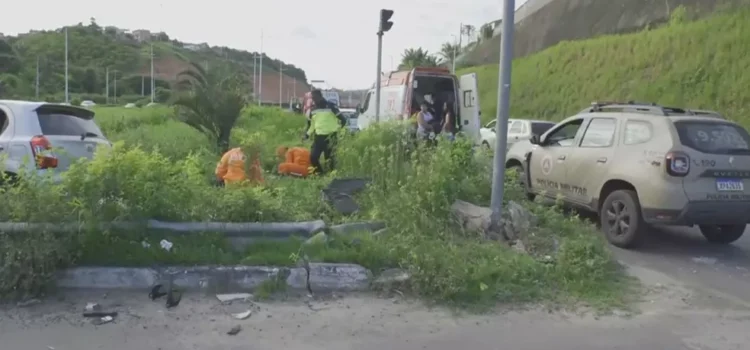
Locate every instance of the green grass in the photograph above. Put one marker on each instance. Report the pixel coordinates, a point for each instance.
(702, 64)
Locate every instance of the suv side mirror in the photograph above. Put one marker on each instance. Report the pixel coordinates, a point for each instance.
(535, 140)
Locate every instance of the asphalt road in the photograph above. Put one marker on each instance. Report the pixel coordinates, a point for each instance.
(685, 255)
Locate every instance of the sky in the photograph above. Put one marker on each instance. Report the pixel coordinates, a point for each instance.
(332, 40)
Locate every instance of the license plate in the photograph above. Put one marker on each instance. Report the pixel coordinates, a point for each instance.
(729, 185)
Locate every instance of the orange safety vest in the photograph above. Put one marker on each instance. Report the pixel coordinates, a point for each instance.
(231, 168)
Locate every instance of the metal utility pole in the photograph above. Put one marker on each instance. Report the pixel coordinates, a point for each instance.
(114, 94)
(37, 78)
(153, 93)
(281, 81)
(106, 83)
(260, 71)
(67, 96)
(383, 26)
(503, 110)
(143, 86)
(255, 71)
(294, 89)
(453, 59)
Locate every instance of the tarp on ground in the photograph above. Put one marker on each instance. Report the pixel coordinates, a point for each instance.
(340, 194)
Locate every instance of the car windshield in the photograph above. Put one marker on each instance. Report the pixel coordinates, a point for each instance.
(714, 137)
(539, 128)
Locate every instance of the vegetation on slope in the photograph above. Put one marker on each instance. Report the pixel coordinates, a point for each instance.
(701, 64)
(93, 49)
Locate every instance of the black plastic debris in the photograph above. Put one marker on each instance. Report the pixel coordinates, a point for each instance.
(340, 194)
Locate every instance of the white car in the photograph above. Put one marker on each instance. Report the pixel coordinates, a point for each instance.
(351, 116)
(88, 103)
(518, 129)
(34, 130)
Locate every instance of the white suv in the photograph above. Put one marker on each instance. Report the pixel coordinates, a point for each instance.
(46, 137)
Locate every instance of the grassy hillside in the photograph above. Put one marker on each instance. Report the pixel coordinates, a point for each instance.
(93, 49)
(702, 64)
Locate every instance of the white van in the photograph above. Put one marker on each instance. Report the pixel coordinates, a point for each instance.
(402, 92)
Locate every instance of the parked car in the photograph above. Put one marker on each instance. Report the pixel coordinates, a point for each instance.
(351, 116)
(88, 103)
(518, 130)
(46, 137)
(638, 164)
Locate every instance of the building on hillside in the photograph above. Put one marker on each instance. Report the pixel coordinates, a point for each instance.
(195, 47)
(142, 35)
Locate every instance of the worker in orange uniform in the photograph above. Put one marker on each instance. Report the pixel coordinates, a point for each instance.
(232, 168)
(295, 161)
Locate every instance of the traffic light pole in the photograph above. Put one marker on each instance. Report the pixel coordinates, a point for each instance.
(503, 110)
(379, 78)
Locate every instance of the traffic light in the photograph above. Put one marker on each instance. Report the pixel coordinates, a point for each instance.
(385, 24)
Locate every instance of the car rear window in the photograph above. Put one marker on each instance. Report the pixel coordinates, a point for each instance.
(540, 128)
(714, 137)
(60, 124)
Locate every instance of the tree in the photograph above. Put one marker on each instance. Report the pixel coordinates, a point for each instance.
(469, 30)
(210, 101)
(486, 31)
(449, 50)
(419, 57)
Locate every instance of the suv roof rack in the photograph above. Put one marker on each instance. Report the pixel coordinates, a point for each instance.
(647, 108)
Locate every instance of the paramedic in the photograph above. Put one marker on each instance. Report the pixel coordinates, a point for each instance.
(294, 161)
(231, 169)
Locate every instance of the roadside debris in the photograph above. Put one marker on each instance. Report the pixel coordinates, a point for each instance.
(236, 329)
(27, 303)
(243, 315)
(101, 321)
(145, 244)
(166, 245)
(229, 298)
(173, 295)
(89, 314)
(91, 307)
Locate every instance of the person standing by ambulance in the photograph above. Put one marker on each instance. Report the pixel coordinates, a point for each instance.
(323, 126)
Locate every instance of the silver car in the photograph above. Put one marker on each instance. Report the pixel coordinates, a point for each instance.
(46, 137)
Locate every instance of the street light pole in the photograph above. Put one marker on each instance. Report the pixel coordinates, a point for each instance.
(67, 96)
(281, 81)
(106, 83)
(37, 78)
(503, 110)
(152, 73)
(260, 71)
(255, 70)
(114, 94)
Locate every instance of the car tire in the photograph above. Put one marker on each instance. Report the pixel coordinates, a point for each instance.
(486, 146)
(722, 234)
(621, 219)
(519, 170)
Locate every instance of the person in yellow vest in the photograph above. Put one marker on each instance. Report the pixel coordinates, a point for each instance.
(325, 122)
(233, 168)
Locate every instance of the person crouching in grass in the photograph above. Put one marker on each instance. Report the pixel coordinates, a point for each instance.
(295, 161)
(234, 167)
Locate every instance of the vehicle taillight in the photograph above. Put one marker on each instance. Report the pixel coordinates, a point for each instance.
(677, 163)
(42, 151)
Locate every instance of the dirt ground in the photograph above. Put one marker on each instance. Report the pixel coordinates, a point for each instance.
(671, 316)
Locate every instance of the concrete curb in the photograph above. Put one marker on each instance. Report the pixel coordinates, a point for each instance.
(220, 279)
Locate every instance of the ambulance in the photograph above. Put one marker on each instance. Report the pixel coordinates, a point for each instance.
(402, 92)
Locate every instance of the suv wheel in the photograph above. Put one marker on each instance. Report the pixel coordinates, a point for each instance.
(621, 220)
(722, 234)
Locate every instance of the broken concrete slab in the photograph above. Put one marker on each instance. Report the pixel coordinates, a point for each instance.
(228, 298)
(338, 277)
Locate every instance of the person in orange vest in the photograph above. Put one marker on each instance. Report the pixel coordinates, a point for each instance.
(295, 161)
(233, 168)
